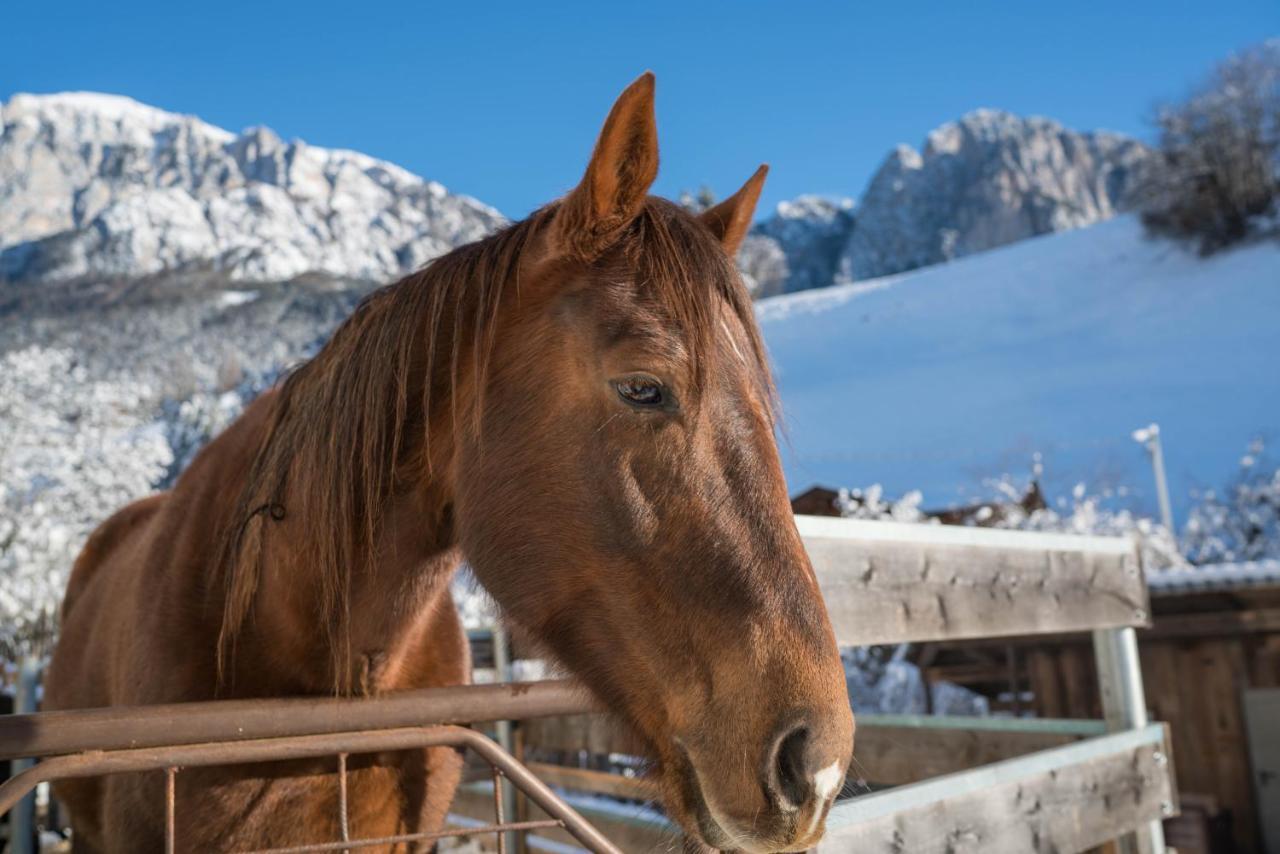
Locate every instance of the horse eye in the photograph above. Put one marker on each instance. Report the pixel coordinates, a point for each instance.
(641, 391)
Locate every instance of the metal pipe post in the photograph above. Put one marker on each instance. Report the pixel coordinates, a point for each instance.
(22, 821)
(1124, 704)
(502, 669)
(1162, 483)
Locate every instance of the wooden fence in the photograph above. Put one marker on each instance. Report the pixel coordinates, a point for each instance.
(959, 784)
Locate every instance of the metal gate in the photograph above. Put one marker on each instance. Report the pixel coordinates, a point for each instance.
(167, 739)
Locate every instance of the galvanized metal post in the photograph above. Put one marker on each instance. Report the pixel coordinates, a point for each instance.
(1124, 704)
(502, 671)
(1149, 436)
(22, 821)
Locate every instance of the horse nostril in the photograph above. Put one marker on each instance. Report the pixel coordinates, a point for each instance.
(791, 778)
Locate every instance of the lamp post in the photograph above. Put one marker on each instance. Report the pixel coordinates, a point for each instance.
(1149, 437)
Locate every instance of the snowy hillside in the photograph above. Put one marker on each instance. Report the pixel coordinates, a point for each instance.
(100, 185)
(1062, 345)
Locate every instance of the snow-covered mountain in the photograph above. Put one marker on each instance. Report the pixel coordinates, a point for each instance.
(100, 185)
(1060, 346)
(989, 179)
(799, 247)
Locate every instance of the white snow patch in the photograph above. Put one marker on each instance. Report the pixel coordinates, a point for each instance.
(941, 377)
(229, 299)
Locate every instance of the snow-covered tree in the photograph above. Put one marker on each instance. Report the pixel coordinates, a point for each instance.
(73, 450)
(1243, 524)
(1216, 178)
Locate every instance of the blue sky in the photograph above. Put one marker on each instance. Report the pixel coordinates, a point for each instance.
(502, 101)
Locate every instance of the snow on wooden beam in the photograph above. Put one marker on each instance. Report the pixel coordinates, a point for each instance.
(885, 582)
(1061, 800)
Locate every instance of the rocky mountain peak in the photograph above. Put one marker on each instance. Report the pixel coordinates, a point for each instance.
(986, 180)
(96, 185)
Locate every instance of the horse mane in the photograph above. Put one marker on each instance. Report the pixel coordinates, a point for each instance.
(346, 421)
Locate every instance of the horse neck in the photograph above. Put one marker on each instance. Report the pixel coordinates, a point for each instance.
(364, 635)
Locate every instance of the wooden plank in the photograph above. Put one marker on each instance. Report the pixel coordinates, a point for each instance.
(1062, 800)
(1163, 627)
(597, 734)
(596, 782)
(1031, 726)
(1222, 679)
(1220, 623)
(1045, 684)
(890, 583)
(1081, 680)
(887, 755)
(1265, 655)
(890, 750)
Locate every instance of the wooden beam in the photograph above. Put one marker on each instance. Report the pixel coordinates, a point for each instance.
(1065, 799)
(597, 734)
(887, 755)
(1214, 624)
(885, 582)
(1199, 626)
(596, 782)
(890, 749)
(1075, 728)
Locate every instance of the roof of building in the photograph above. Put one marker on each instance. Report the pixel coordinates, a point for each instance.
(1214, 577)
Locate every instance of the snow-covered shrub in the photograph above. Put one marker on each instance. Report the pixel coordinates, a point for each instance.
(1082, 513)
(1244, 523)
(880, 680)
(1091, 513)
(870, 503)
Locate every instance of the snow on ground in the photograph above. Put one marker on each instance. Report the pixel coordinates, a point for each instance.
(939, 378)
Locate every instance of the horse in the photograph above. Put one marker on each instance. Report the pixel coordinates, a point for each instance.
(578, 406)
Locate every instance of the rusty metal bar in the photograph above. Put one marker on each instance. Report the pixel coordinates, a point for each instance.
(96, 763)
(414, 837)
(170, 799)
(344, 828)
(58, 733)
(498, 797)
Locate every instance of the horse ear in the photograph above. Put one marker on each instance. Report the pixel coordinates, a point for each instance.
(730, 219)
(622, 168)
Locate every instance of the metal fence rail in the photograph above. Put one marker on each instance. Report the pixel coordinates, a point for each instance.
(172, 758)
(61, 732)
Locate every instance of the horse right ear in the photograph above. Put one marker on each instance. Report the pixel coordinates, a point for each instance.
(622, 168)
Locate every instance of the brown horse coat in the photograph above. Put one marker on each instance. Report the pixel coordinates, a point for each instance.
(580, 405)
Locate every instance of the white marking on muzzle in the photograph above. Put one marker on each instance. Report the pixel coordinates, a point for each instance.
(825, 785)
(826, 781)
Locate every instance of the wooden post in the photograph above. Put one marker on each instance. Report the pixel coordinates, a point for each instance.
(1124, 706)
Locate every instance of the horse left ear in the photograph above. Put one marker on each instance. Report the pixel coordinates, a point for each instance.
(622, 168)
(730, 219)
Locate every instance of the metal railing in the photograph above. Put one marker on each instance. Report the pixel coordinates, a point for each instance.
(95, 742)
